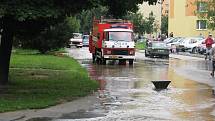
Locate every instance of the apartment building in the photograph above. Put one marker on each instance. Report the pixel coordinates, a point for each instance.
(183, 20)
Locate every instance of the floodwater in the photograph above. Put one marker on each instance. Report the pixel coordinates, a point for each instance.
(127, 94)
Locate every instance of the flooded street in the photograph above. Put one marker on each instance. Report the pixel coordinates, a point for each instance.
(126, 92)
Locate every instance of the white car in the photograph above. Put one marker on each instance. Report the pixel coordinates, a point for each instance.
(193, 47)
(190, 43)
(176, 41)
(167, 40)
(76, 40)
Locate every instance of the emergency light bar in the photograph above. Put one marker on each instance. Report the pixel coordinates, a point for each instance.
(119, 26)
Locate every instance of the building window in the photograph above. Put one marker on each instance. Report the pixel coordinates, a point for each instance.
(166, 11)
(201, 24)
(202, 7)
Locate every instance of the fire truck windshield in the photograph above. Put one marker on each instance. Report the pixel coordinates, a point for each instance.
(120, 36)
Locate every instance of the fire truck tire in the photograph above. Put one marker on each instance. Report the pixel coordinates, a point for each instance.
(131, 61)
(103, 61)
(98, 60)
(93, 57)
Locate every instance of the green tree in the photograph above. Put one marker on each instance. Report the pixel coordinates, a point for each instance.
(54, 37)
(30, 17)
(138, 22)
(142, 25)
(150, 24)
(86, 17)
(164, 24)
(207, 11)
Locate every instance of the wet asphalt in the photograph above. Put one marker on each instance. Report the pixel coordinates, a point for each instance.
(126, 92)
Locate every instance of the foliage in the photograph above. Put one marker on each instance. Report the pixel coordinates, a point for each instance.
(151, 2)
(209, 13)
(39, 81)
(138, 21)
(119, 8)
(141, 45)
(150, 25)
(54, 37)
(141, 24)
(86, 17)
(164, 24)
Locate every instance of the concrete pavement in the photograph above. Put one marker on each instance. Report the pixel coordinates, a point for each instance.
(52, 112)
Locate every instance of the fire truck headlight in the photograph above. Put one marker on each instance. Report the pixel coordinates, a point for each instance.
(131, 52)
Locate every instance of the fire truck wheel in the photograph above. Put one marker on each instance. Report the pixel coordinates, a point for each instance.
(97, 60)
(104, 61)
(93, 57)
(131, 61)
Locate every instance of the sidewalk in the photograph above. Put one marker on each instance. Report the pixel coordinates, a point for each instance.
(52, 112)
(201, 76)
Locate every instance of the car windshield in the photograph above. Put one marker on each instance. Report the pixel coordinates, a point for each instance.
(85, 37)
(77, 36)
(120, 36)
(157, 44)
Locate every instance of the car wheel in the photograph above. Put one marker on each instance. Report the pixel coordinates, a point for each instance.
(194, 50)
(146, 55)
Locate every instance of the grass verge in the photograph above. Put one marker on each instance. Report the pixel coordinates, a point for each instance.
(140, 45)
(39, 81)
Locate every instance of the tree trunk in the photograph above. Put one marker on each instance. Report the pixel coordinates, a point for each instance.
(5, 49)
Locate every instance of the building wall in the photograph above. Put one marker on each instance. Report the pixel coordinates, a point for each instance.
(145, 9)
(165, 7)
(182, 20)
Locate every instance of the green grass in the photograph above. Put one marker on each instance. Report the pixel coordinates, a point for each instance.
(39, 81)
(140, 45)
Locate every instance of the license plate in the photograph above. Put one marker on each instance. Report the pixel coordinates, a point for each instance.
(113, 56)
(161, 50)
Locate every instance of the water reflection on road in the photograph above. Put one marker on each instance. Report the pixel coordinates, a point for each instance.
(126, 92)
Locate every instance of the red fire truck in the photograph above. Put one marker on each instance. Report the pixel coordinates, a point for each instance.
(112, 39)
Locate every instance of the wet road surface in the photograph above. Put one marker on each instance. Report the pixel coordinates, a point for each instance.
(127, 94)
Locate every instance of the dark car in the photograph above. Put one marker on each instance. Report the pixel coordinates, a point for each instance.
(157, 48)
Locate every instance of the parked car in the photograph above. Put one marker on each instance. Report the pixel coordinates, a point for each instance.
(189, 43)
(193, 47)
(157, 48)
(175, 41)
(85, 40)
(76, 40)
(167, 40)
